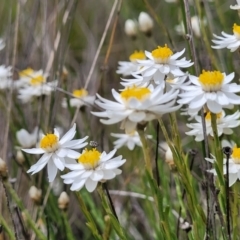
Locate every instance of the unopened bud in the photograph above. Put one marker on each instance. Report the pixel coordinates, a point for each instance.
(3, 169)
(131, 28)
(20, 157)
(35, 194)
(169, 158)
(145, 23)
(63, 201)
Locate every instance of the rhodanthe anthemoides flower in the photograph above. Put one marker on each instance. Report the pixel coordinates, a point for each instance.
(145, 23)
(92, 167)
(129, 140)
(81, 98)
(33, 84)
(56, 152)
(136, 105)
(224, 125)
(160, 63)
(127, 68)
(211, 89)
(228, 41)
(234, 166)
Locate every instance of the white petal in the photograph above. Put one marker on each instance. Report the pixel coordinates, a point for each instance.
(97, 175)
(90, 185)
(69, 135)
(52, 171)
(34, 151)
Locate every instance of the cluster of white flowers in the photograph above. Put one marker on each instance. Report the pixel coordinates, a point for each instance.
(87, 168)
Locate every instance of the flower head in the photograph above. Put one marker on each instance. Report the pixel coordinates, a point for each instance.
(233, 165)
(127, 68)
(228, 41)
(129, 140)
(56, 152)
(160, 63)
(92, 167)
(211, 89)
(136, 105)
(81, 98)
(6, 77)
(224, 125)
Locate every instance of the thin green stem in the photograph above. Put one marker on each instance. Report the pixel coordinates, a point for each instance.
(146, 150)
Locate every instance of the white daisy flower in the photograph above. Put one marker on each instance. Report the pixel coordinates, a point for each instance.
(136, 105)
(211, 89)
(233, 167)
(56, 151)
(30, 77)
(228, 41)
(92, 167)
(237, 6)
(126, 68)
(162, 62)
(224, 125)
(6, 77)
(129, 140)
(26, 139)
(81, 98)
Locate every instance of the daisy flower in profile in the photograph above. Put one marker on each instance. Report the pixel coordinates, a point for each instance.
(27, 139)
(92, 167)
(228, 41)
(161, 62)
(211, 89)
(129, 140)
(233, 167)
(81, 98)
(136, 105)
(224, 125)
(126, 68)
(5, 77)
(56, 152)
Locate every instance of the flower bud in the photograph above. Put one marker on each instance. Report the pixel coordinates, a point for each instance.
(169, 158)
(3, 169)
(131, 28)
(20, 157)
(35, 194)
(145, 23)
(63, 201)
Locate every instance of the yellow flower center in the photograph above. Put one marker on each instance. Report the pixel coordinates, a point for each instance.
(26, 72)
(236, 29)
(38, 80)
(236, 155)
(208, 116)
(49, 142)
(137, 55)
(211, 80)
(135, 92)
(79, 93)
(90, 158)
(162, 54)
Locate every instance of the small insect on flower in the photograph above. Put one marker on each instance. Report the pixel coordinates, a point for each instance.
(56, 152)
